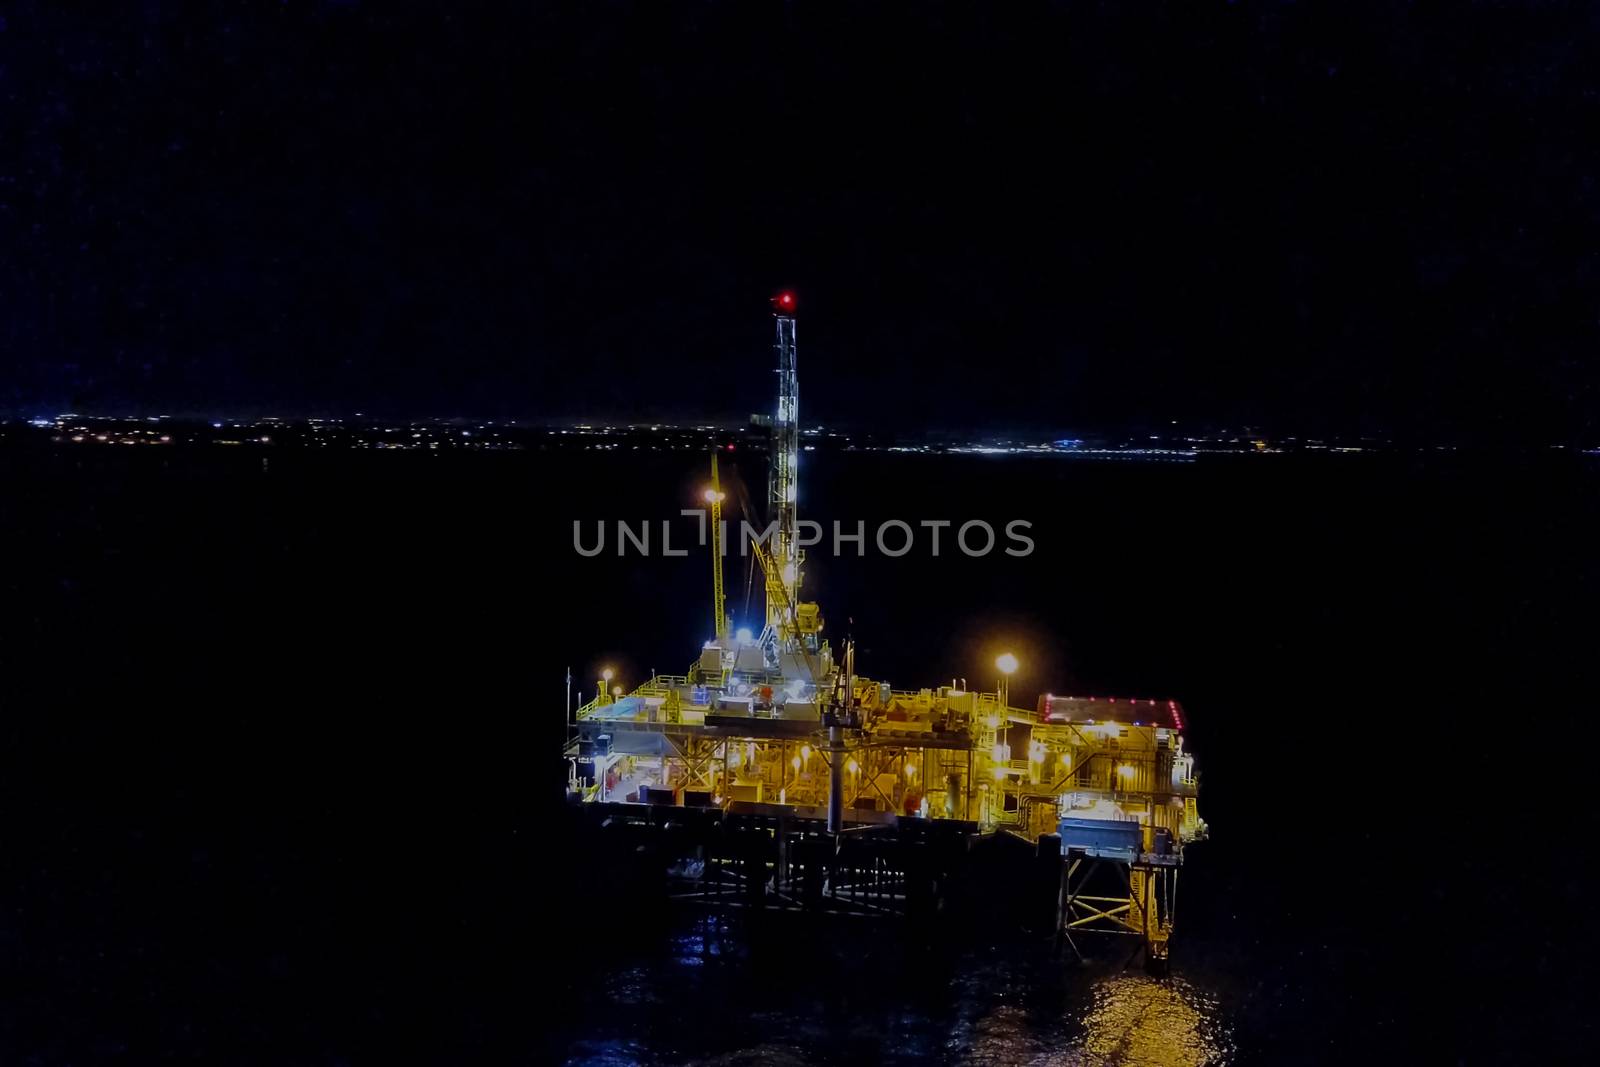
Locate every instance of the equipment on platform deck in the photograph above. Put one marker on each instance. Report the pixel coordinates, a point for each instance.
(631, 707)
(1101, 837)
(770, 728)
(799, 709)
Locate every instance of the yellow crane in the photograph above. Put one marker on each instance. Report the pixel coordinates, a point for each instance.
(780, 612)
(786, 619)
(714, 497)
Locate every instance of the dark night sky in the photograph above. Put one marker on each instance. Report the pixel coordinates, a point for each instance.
(1317, 217)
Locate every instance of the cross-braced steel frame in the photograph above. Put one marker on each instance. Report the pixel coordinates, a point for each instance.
(1101, 895)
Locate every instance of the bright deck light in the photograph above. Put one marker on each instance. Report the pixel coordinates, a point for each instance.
(1007, 663)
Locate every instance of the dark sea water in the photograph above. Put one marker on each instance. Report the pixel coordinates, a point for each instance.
(281, 758)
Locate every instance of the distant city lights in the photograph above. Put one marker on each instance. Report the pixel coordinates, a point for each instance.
(692, 437)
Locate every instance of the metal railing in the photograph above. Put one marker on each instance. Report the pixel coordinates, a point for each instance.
(658, 685)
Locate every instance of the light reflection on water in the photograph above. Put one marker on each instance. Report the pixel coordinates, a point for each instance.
(705, 1001)
(1127, 1018)
(1138, 1019)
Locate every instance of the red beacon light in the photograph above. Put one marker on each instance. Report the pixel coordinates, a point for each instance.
(784, 302)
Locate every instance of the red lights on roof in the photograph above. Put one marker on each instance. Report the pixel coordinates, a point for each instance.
(783, 302)
(1172, 706)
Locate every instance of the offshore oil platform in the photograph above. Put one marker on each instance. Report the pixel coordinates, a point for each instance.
(773, 775)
